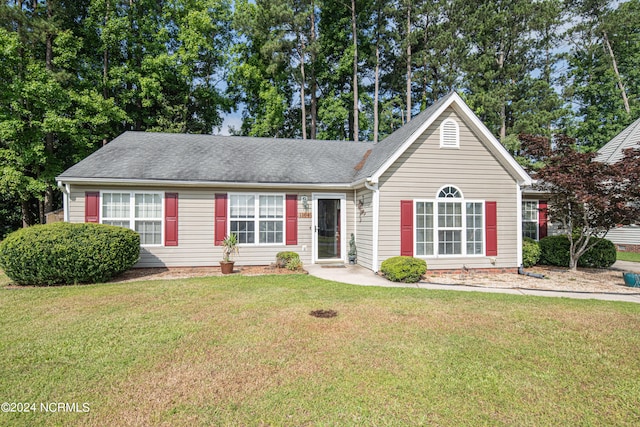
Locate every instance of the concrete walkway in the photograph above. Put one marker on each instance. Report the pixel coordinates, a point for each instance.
(357, 275)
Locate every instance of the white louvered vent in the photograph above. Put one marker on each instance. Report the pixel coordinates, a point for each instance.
(449, 135)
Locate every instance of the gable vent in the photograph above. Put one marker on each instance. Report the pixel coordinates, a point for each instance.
(449, 134)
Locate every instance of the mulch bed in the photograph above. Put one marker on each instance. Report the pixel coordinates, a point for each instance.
(185, 272)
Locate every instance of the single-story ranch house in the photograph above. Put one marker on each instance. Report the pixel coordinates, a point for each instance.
(440, 188)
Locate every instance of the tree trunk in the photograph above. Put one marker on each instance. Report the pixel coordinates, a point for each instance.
(625, 100)
(314, 86)
(408, 61)
(49, 137)
(376, 91)
(303, 107)
(503, 106)
(356, 129)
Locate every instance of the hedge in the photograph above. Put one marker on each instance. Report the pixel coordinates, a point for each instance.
(555, 251)
(403, 269)
(64, 253)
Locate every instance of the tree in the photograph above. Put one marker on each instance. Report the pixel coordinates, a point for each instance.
(603, 69)
(587, 197)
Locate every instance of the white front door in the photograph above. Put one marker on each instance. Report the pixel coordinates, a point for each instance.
(329, 219)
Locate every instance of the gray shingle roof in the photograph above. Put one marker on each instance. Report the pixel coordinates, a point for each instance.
(612, 151)
(211, 158)
(135, 156)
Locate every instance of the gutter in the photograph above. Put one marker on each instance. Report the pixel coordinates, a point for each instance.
(209, 184)
(372, 185)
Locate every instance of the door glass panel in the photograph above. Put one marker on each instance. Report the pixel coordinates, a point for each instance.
(328, 228)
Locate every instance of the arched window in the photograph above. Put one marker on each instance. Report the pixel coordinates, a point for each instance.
(449, 134)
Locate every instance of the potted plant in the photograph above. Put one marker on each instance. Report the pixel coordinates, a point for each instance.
(229, 247)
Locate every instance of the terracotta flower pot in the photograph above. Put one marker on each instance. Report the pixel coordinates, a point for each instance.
(226, 267)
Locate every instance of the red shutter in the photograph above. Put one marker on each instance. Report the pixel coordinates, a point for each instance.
(171, 219)
(220, 219)
(92, 206)
(491, 228)
(542, 219)
(292, 219)
(406, 227)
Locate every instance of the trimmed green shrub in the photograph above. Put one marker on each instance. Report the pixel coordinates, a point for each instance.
(64, 253)
(555, 251)
(403, 269)
(530, 252)
(602, 255)
(283, 258)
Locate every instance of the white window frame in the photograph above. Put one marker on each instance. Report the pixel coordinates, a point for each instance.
(536, 222)
(257, 220)
(436, 228)
(132, 211)
(456, 137)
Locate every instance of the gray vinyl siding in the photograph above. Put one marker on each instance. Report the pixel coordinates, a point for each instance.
(629, 235)
(364, 228)
(425, 167)
(196, 229)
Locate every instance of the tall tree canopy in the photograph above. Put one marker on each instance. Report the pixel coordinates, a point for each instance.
(74, 74)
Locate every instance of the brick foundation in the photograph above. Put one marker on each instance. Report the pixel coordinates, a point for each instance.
(628, 248)
(472, 271)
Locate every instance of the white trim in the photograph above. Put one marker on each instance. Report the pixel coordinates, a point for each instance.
(537, 220)
(132, 207)
(463, 228)
(464, 110)
(256, 218)
(343, 225)
(206, 184)
(519, 224)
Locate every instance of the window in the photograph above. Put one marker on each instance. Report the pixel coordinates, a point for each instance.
(261, 212)
(449, 225)
(449, 134)
(141, 212)
(530, 219)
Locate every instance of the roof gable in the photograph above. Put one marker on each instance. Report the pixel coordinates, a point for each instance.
(388, 151)
(612, 151)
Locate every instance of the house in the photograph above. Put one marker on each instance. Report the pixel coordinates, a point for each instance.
(440, 188)
(626, 238)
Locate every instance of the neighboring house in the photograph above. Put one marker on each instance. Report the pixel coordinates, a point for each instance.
(626, 238)
(440, 188)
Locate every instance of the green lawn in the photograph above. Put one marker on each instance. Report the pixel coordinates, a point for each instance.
(244, 351)
(628, 256)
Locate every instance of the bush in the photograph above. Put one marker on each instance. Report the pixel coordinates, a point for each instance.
(555, 251)
(403, 269)
(530, 252)
(64, 253)
(283, 259)
(602, 255)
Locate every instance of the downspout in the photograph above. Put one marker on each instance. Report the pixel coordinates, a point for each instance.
(66, 192)
(519, 222)
(372, 185)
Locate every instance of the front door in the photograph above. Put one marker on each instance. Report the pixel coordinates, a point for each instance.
(328, 221)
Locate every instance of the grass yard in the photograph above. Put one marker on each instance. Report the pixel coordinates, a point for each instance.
(628, 256)
(245, 351)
